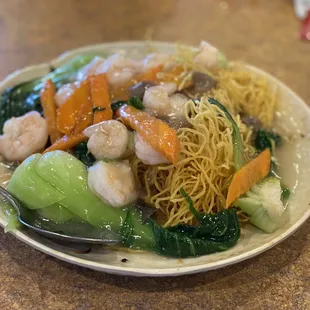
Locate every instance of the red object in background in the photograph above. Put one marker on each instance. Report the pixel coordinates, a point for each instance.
(305, 28)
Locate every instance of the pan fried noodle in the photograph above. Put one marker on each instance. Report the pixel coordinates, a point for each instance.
(204, 170)
(243, 92)
(239, 90)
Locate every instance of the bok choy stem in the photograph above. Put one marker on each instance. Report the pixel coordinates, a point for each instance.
(60, 177)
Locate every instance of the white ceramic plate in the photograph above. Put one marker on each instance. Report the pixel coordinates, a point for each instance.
(293, 119)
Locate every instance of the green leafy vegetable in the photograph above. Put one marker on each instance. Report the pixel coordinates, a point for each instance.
(25, 97)
(61, 172)
(9, 214)
(222, 60)
(82, 153)
(116, 105)
(285, 193)
(26, 174)
(237, 140)
(134, 101)
(266, 139)
(56, 213)
(216, 232)
(97, 109)
(263, 204)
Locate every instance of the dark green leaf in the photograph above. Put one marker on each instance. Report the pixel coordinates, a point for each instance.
(25, 97)
(216, 232)
(191, 205)
(116, 105)
(266, 139)
(286, 193)
(136, 102)
(133, 101)
(96, 109)
(189, 241)
(82, 153)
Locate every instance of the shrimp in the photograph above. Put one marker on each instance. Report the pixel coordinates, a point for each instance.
(160, 101)
(64, 92)
(89, 69)
(118, 69)
(156, 59)
(208, 55)
(156, 98)
(23, 136)
(113, 182)
(177, 104)
(108, 139)
(146, 153)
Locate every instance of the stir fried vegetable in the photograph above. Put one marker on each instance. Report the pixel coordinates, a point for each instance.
(67, 114)
(25, 97)
(49, 110)
(263, 204)
(158, 134)
(82, 153)
(266, 139)
(286, 193)
(248, 175)
(62, 179)
(67, 142)
(175, 75)
(101, 99)
(151, 75)
(259, 193)
(133, 101)
(82, 190)
(85, 117)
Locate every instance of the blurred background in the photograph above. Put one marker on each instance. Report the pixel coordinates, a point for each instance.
(262, 32)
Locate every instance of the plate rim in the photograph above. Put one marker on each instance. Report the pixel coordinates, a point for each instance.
(158, 272)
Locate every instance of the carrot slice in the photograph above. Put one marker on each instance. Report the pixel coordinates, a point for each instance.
(248, 175)
(47, 97)
(150, 75)
(158, 134)
(100, 97)
(121, 92)
(66, 143)
(68, 112)
(85, 116)
(173, 76)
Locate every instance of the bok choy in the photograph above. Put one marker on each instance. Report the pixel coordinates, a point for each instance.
(60, 180)
(263, 204)
(18, 100)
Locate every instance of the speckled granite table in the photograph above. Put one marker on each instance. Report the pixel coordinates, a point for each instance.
(264, 33)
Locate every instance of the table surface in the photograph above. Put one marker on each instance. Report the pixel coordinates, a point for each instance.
(264, 33)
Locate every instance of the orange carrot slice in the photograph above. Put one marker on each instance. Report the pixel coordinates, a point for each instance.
(173, 76)
(66, 143)
(100, 97)
(85, 117)
(158, 134)
(248, 175)
(121, 92)
(150, 75)
(47, 97)
(68, 112)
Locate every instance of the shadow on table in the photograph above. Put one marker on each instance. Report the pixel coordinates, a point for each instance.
(252, 270)
(241, 278)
